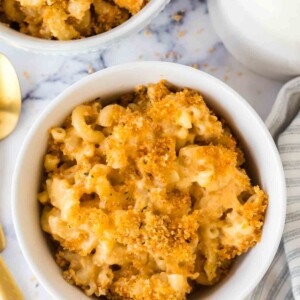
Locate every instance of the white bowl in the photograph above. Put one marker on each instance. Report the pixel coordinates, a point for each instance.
(251, 131)
(260, 34)
(89, 44)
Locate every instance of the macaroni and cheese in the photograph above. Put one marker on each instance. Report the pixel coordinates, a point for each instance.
(67, 19)
(147, 197)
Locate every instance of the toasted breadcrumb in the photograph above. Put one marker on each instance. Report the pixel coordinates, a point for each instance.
(177, 17)
(90, 69)
(181, 33)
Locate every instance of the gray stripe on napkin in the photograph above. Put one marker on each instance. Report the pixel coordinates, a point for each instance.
(282, 281)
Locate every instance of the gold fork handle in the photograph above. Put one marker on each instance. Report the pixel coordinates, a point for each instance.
(8, 287)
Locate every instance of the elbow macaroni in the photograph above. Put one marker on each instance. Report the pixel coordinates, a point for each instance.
(83, 129)
(145, 198)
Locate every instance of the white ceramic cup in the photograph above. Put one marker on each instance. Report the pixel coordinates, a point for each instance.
(262, 155)
(89, 44)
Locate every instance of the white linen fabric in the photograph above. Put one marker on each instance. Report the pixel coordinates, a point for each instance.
(282, 280)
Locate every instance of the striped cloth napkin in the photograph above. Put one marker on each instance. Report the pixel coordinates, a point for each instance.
(282, 280)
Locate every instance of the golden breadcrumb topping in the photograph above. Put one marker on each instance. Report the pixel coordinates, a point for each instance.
(147, 197)
(67, 19)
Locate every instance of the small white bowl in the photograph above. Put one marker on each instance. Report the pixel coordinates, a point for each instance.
(260, 34)
(89, 44)
(261, 151)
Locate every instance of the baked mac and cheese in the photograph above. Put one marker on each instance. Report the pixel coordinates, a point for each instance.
(147, 197)
(67, 19)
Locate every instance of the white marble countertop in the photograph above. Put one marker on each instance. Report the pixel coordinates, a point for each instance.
(189, 41)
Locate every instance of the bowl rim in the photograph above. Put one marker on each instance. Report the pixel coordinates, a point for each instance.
(129, 67)
(88, 44)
